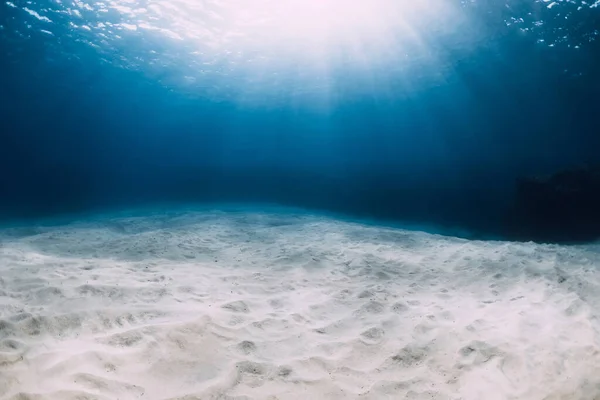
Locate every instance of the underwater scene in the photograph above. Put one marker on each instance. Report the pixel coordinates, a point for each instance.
(300, 199)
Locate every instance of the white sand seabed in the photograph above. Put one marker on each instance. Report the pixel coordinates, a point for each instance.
(223, 305)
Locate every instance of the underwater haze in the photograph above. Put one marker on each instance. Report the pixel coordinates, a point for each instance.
(414, 111)
(299, 199)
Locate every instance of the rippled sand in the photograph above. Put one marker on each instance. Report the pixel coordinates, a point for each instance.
(246, 305)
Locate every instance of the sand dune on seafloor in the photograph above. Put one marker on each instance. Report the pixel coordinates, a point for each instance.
(224, 305)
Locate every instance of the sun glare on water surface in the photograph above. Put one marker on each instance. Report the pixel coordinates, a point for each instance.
(238, 48)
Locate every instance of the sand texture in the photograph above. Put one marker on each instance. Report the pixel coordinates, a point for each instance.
(249, 305)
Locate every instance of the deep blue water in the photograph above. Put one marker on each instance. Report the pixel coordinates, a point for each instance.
(420, 111)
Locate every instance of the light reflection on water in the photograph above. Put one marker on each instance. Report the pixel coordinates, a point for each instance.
(245, 47)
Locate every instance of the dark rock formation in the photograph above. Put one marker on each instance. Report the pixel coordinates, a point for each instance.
(564, 207)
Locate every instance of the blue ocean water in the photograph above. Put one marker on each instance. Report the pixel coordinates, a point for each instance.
(299, 199)
(418, 111)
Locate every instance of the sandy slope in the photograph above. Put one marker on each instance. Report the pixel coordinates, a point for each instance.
(214, 305)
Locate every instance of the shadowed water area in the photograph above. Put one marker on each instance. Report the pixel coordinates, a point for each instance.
(425, 112)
